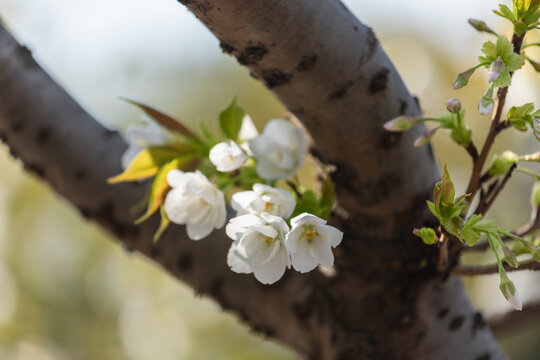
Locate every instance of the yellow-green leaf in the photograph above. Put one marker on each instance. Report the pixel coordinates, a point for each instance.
(160, 186)
(163, 224)
(230, 120)
(146, 164)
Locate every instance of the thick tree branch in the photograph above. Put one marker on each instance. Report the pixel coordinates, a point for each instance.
(331, 72)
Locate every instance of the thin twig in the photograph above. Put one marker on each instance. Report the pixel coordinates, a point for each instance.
(443, 252)
(508, 322)
(493, 268)
(484, 207)
(472, 150)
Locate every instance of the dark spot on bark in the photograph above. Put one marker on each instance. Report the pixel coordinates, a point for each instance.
(371, 41)
(14, 154)
(226, 48)
(184, 262)
(155, 251)
(443, 312)
(420, 335)
(85, 212)
(43, 135)
(456, 323)
(107, 134)
(302, 310)
(16, 126)
(389, 139)
(253, 75)
(307, 62)
(216, 291)
(317, 153)
(341, 91)
(403, 106)
(275, 77)
(485, 356)
(379, 81)
(3, 138)
(264, 330)
(478, 322)
(25, 55)
(298, 111)
(79, 174)
(355, 28)
(202, 6)
(252, 54)
(417, 101)
(35, 169)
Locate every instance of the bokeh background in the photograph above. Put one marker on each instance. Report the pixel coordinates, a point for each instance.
(68, 292)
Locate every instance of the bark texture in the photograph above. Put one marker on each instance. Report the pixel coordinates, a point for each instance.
(385, 301)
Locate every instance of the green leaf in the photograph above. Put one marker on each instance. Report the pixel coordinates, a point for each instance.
(160, 186)
(505, 12)
(427, 235)
(230, 120)
(164, 119)
(162, 225)
(520, 116)
(433, 209)
(535, 194)
(453, 225)
(146, 164)
(470, 234)
(307, 203)
(326, 202)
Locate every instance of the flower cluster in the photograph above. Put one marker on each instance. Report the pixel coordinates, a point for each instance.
(273, 229)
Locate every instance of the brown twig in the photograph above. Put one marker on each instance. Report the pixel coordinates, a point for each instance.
(472, 150)
(493, 268)
(443, 252)
(508, 322)
(495, 128)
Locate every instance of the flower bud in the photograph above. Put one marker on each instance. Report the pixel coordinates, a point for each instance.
(425, 138)
(485, 104)
(510, 257)
(463, 78)
(481, 26)
(496, 69)
(453, 105)
(510, 293)
(401, 123)
(502, 163)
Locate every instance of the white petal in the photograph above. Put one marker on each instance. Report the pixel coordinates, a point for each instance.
(199, 231)
(333, 235)
(292, 239)
(237, 226)
(325, 255)
(272, 270)
(175, 206)
(176, 178)
(241, 202)
(237, 263)
(302, 261)
(247, 130)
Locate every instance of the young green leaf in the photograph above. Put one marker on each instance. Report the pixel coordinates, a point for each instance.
(230, 120)
(328, 195)
(427, 235)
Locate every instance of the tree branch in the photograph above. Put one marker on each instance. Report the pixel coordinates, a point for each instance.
(511, 321)
(493, 269)
(384, 301)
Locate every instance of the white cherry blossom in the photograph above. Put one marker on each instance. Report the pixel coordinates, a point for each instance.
(258, 246)
(264, 198)
(280, 150)
(227, 156)
(195, 202)
(310, 242)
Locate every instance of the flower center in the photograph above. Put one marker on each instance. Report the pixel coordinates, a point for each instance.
(268, 240)
(309, 234)
(268, 207)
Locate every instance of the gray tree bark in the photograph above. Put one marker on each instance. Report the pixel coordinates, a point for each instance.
(387, 300)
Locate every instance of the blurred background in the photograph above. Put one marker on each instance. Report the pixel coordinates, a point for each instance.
(68, 292)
